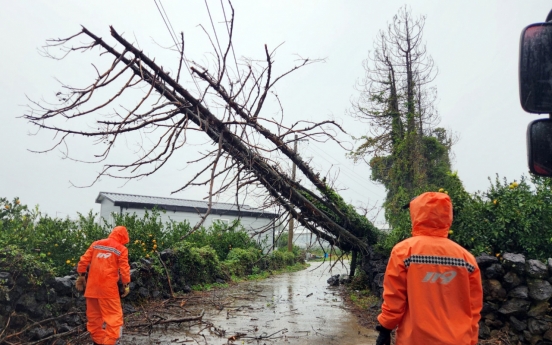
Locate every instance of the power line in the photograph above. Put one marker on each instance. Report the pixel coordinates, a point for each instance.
(318, 150)
(230, 38)
(357, 183)
(345, 170)
(356, 191)
(173, 36)
(170, 24)
(167, 24)
(213, 26)
(334, 161)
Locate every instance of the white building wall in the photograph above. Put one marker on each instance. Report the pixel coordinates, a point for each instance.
(307, 240)
(107, 209)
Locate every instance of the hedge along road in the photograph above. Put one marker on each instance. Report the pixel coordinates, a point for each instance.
(291, 308)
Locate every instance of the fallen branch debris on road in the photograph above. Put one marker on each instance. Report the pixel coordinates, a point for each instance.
(162, 321)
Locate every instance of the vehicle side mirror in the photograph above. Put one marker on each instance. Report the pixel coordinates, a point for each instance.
(535, 68)
(539, 147)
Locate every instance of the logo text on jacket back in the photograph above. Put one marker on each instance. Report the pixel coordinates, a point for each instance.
(103, 255)
(444, 278)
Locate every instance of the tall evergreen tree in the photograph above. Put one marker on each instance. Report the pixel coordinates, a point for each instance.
(406, 150)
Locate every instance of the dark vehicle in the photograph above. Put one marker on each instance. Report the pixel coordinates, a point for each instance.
(535, 92)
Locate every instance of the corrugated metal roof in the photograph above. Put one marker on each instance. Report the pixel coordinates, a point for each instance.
(173, 203)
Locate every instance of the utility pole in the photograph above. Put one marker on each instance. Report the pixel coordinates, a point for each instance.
(291, 220)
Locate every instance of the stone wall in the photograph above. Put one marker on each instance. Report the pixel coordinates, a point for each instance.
(517, 296)
(23, 302)
(374, 264)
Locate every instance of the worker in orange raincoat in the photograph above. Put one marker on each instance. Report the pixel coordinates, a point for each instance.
(105, 260)
(432, 291)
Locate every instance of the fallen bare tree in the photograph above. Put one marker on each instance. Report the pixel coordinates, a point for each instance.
(250, 148)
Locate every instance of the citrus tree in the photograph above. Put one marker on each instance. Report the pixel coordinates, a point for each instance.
(508, 217)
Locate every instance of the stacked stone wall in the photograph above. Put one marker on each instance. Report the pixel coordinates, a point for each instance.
(517, 295)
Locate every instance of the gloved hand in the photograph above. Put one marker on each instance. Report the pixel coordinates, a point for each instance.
(384, 337)
(80, 284)
(126, 290)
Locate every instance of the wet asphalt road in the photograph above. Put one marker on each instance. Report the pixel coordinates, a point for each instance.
(293, 308)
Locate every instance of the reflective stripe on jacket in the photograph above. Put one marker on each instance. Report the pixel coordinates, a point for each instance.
(107, 259)
(432, 286)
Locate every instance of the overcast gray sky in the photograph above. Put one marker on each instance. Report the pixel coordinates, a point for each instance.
(474, 44)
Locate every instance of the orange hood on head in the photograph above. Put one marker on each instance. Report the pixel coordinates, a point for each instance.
(120, 234)
(431, 214)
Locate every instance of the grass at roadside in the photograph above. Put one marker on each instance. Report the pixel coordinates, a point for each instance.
(318, 254)
(332, 258)
(265, 274)
(359, 295)
(363, 299)
(363, 305)
(209, 287)
(256, 276)
(360, 300)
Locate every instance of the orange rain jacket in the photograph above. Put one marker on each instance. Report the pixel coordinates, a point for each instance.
(107, 258)
(432, 286)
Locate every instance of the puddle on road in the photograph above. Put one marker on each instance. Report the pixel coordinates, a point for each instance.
(293, 308)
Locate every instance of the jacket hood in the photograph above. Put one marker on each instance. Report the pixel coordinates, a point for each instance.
(120, 234)
(431, 214)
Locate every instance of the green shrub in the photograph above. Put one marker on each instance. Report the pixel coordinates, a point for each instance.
(280, 259)
(63, 241)
(55, 241)
(223, 238)
(39, 245)
(299, 253)
(282, 240)
(399, 218)
(509, 217)
(60, 242)
(24, 267)
(196, 265)
(241, 262)
(244, 262)
(146, 234)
